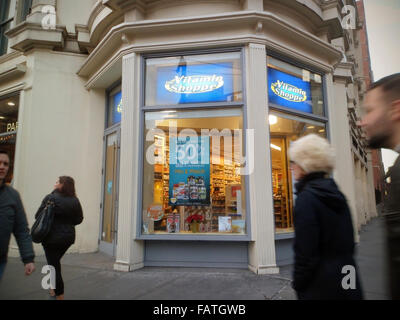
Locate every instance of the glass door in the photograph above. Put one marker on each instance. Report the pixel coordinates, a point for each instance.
(109, 226)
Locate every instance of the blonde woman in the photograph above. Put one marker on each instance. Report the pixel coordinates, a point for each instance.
(324, 239)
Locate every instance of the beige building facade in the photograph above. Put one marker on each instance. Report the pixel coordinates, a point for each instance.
(96, 87)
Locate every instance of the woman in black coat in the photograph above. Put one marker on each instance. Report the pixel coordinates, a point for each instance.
(324, 238)
(67, 214)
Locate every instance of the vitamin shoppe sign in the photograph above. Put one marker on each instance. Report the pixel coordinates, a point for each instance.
(289, 91)
(195, 83)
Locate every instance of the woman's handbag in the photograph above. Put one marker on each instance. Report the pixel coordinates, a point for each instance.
(43, 223)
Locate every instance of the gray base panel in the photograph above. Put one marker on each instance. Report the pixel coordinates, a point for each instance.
(196, 254)
(284, 252)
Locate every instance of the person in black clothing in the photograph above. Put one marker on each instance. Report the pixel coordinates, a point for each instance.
(67, 214)
(13, 220)
(324, 236)
(381, 123)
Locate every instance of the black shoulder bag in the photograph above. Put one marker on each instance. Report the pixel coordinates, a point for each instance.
(43, 223)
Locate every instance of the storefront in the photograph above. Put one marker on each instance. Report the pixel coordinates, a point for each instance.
(182, 115)
(194, 162)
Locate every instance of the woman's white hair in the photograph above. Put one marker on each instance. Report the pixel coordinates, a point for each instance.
(313, 154)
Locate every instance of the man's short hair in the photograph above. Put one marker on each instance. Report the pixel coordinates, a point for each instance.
(390, 86)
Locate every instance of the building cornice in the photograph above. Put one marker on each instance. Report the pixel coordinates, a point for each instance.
(127, 34)
(12, 72)
(29, 35)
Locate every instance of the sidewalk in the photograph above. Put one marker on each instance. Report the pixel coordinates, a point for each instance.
(91, 277)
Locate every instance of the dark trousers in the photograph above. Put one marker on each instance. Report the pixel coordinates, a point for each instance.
(2, 268)
(393, 253)
(53, 257)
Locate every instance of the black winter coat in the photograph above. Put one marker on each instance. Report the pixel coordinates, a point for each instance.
(13, 221)
(67, 214)
(324, 241)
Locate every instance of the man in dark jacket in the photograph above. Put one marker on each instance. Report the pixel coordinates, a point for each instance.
(381, 123)
(13, 220)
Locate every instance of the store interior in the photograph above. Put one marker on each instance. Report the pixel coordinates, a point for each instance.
(8, 129)
(285, 129)
(225, 212)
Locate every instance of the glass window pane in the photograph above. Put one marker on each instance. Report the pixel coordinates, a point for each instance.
(8, 129)
(285, 129)
(295, 88)
(191, 178)
(194, 79)
(114, 107)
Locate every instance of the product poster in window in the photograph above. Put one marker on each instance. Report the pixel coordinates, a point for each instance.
(195, 83)
(289, 91)
(189, 168)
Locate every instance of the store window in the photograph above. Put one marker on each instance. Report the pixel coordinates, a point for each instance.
(294, 88)
(8, 129)
(114, 107)
(284, 130)
(189, 79)
(296, 105)
(192, 182)
(191, 176)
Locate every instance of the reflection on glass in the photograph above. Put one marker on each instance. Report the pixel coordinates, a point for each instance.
(115, 107)
(191, 181)
(284, 130)
(109, 191)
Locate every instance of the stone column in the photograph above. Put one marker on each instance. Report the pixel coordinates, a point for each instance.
(339, 133)
(130, 252)
(262, 258)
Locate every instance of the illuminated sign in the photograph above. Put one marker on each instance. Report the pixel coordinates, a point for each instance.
(211, 82)
(289, 91)
(12, 127)
(194, 84)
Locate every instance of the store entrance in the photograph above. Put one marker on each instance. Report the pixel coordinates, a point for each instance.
(109, 226)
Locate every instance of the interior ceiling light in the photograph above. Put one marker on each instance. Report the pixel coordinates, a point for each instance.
(273, 120)
(11, 104)
(276, 147)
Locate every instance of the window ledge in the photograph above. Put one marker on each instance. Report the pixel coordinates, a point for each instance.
(284, 236)
(194, 237)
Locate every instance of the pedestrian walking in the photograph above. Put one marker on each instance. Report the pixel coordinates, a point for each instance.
(324, 236)
(13, 220)
(381, 124)
(67, 214)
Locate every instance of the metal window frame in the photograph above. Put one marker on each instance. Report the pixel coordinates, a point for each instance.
(143, 109)
(324, 120)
